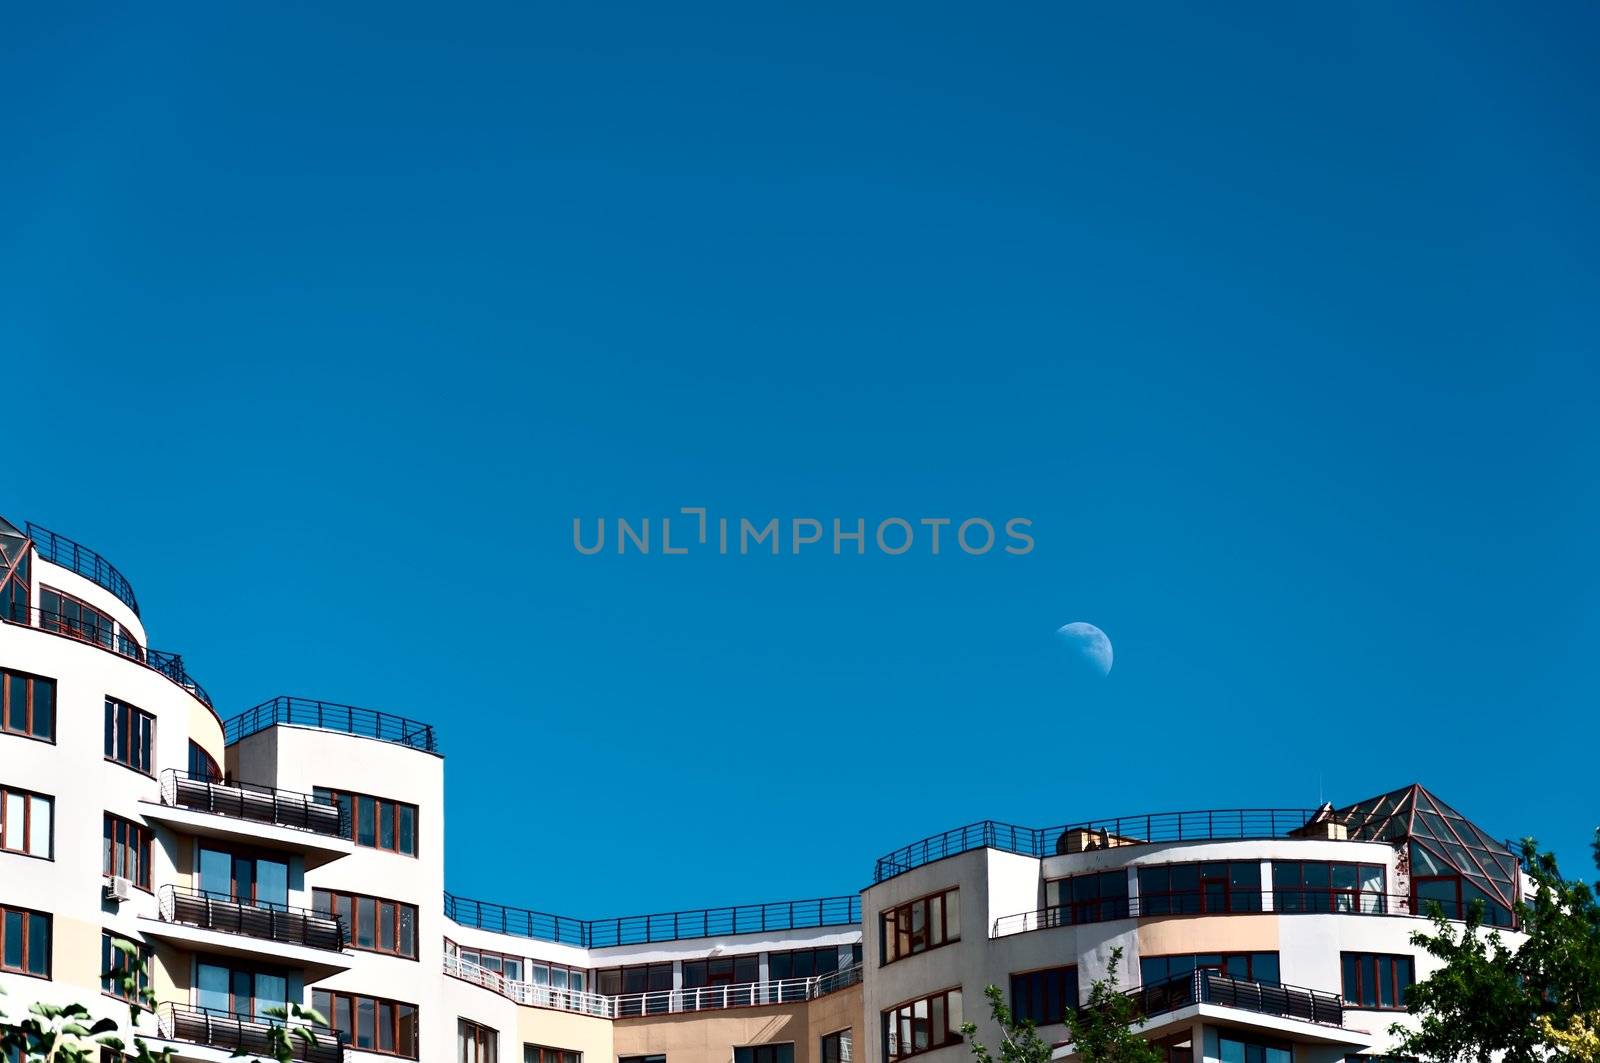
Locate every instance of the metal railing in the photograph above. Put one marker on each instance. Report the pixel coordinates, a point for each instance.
(661, 926)
(659, 1002)
(1266, 998)
(261, 804)
(59, 550)
(329, 716)
(1280, 902)
(245, 1035)
(280, 923)
(168, 664)
(1210, 824)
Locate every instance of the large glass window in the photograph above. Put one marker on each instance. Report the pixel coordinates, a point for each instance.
(1434, 882)
(783, 1053)
(1375, 980)
(545, 1054)
(1249, 966)
(24, 942)
(1190, 889)
(476, 1043)
(1328, 886)
(26, 822)
(117, 965)
(66, 615)
(130, 736)
(836, 1047)
(645, 988)
(370, 1024)
(1090, 898)
(376, 924)
(244, 992)
(125, 851)
(246, 878)
(708, 983)
(1230, 1048)
(920, 925)
(922, 1025)
(375, 822)
(1044, 996)
(27, 705)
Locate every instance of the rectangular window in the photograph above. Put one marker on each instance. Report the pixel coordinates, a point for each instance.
(922, 1025)
(244, 992)
(1229, 1049)
(722, 982)
(375, 924)
(644, 988)
(836, 1047)
(26, 823)
(125, 851)
(24, 942)
(543, 1054)
(27, 705)
(783, 1053)
(370, 1024)
(923, 924)
(1246, 966)
(130, 736)
(512, 967)
(1376, 981)
(1044, 996)
(116, 965)
(1191, 889)
(475, 1043)
(1089, 898)
(1328, 886)
(374, 822)
(550, 975)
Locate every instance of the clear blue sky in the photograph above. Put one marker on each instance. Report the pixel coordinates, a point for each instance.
(1279, 324)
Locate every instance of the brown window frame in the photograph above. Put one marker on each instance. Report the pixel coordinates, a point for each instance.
(114, 962)
(30, 685)
(125, 716)
(326, 1001)
(952, 1032)
(6, 836)
(890, 920)
(1360, 901)
(647, 1005)
(349, 802)
(1042, 1016)
(546, 1054)
(839, 1038)
(354, 923)
(119, 834)
(57, 621)
(28, 915)
(1381, 967)
(482, 1036)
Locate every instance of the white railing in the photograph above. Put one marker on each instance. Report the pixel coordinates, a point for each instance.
(660, 1002)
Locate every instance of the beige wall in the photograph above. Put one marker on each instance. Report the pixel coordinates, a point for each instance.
(560, 1029)
(711, 1036)
(1219, 933)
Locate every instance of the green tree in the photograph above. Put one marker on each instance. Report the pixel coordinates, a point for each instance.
(1105, 1030)
(1529, 1003)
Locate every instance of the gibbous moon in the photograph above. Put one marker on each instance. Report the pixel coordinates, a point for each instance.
(1088, 644)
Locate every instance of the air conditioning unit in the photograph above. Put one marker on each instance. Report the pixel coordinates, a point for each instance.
(119, 889)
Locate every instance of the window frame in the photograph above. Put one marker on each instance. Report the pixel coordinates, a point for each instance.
(561, 1055)
(1356, 896)
(326, 1001)
(1043, 1018)
(28, 816)
(482, 1036)
(27, 917)
(839, 1038)
(890, 920)
(1197, 901)
(1384, 968)
(112, 960)
(122, 716)
(355, 922)
(1074, 911)
(765, 1052)
(115, 845)
(952, 1028)
(349, 804)
(30, 685)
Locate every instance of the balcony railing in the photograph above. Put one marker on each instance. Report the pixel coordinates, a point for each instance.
(308, 712)
(279, 923)
(59, 550)
(1210, 824)
(1266, 998)
(662, 926)
(244, 1035)
(1281, 902)
(660, 1002)
(261, 804)
(168, 664)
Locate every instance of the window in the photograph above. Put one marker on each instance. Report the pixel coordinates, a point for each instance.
(802, 963)
(1044, 996)
(1230, 1049)
(125, 851)
(116, 964)
(645, 988)
(642, 1059)
(707, 982)
(783, 1053)
(24, 942)
(202, 765)
(374, 822)
(836, 1047)
(1249, 966)
(1327, 886)
(244, 992)
(922, 1025)
(15, 598)
(369, 1023)
(556, 976)
(26, 822)
(1087, 898)
(66, 615)
(1434, 882)
(923, 924)
(28, 705)
(476, 1044)
(130, 736)
(1376, 981)
(541, 1054)
(262, 881)
(378, 925)
(1190, 889)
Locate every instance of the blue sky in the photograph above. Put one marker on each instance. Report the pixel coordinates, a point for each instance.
(1277, 324)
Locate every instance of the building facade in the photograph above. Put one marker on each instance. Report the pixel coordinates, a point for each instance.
(294, 853)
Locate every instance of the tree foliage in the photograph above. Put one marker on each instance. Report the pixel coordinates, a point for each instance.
(1105, 1030)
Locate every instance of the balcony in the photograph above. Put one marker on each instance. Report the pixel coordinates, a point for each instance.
(168, 664)
(260, 931)
(1299, 901)
(662, 1002)
(263, 816)
(329, 716)
(661, 926)
(233, 1035)
(59, 550)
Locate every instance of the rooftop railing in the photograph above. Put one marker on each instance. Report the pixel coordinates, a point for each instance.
(329, 716)
(1210, 824)
(280, 923)
(660, 1002)
(243, 1035)
(261, 804)
(662, 926)
(1266, 998)
(168, 664)
(59, 550)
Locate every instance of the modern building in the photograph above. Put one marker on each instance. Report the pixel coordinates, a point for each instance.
(294, 852)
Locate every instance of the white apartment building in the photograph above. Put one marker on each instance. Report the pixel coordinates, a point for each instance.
(294, 852)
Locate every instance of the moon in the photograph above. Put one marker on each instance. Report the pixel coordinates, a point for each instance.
(1088, 644)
